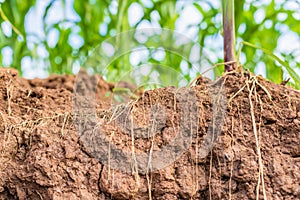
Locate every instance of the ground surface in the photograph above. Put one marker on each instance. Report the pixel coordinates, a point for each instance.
(42, 155)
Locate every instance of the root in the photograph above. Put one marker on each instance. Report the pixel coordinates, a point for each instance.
(30, 125)
(9, 92)
(40, 195)
(149, 166)
(7, 132)
(112, 182)
(251, 84)
(40, 121)
(149, 183)
(233, 96)
(262, 173)
(231, 163)
(135, 165)
(196, 160)
(109, 152)
(253, 81)
(210, 174)
(64, 123)
(264, 89)
(211, 68)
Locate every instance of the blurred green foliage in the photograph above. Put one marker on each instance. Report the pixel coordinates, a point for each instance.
(261, 23)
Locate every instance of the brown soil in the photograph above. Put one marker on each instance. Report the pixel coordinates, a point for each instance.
(43, 157)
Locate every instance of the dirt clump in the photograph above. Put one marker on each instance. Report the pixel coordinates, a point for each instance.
(44, 153)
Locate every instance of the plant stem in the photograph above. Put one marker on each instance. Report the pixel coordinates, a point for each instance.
(229, 33)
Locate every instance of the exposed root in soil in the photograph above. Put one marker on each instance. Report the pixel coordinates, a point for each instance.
(149, 184)
(109, 152)
(42, 156)
(34, 124)
(253, 81)
(210, 175)
(135, 169)
(211, 68)
(232, 143)
(251, 86)
(9, 93)
(149, 167)
(196, 183)
(31, 125)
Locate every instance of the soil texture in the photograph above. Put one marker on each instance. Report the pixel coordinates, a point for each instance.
(43, 155)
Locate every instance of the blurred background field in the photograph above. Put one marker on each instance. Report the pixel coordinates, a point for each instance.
(43, 37)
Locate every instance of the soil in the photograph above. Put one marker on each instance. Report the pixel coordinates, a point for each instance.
(256, 156)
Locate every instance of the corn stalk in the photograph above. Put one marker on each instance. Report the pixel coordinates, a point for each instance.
(229, 33)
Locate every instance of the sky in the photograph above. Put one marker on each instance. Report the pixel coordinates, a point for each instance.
(189, 15)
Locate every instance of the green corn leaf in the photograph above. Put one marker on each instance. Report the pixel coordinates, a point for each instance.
(289, 69)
